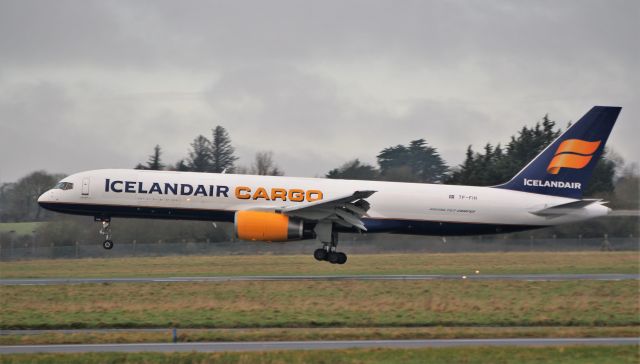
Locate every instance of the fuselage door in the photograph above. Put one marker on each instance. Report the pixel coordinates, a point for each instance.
(85, 186)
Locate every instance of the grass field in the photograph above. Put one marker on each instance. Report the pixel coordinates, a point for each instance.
(20, 228)
(322, 304)
(318, 333)
(567, 355)
(462, 264)
(315, 310)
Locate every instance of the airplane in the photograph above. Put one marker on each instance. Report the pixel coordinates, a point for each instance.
(546, 192)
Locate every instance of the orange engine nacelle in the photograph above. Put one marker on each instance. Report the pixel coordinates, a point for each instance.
(267, 226)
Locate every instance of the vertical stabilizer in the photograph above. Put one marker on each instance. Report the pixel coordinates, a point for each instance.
(564, 168)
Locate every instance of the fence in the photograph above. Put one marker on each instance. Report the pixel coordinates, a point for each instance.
(350, 243)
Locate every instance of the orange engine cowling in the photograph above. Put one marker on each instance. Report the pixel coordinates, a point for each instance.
(267, 226)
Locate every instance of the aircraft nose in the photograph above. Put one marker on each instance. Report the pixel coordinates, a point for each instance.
(44, 198)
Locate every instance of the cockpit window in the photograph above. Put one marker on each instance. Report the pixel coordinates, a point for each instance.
(64, 186)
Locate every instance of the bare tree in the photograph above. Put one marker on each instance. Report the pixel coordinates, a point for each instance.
(241, 170)
(264, 165)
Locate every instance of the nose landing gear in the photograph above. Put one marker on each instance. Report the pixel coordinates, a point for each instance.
(106, 231)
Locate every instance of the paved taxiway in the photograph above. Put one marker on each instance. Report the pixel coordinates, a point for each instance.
(420, 277)
(307, 345)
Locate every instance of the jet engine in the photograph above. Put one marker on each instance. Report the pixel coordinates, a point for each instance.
(269, 226)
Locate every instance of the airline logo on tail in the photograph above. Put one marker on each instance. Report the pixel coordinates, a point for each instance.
(572, 153)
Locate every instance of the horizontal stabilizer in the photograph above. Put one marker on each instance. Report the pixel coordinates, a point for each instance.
(565, 209)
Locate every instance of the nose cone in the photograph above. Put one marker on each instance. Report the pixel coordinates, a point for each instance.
(45, 198)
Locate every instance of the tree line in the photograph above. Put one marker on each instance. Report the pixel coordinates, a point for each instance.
(215, 155)
(416, 161)
(494, 164)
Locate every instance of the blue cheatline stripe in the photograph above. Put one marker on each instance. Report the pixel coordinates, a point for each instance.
(397, 226)
(440, 228)
(140, 211)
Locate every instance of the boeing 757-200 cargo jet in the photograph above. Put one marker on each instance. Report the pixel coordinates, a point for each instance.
(547, 191)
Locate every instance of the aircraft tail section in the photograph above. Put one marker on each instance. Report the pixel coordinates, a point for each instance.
(564, 168)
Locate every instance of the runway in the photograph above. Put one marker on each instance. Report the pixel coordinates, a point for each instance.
(418, 277)
(307, 345)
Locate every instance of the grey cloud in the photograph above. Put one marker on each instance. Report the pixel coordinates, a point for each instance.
(277, 98)
(39, 131)
(283, 109)
(65, 33)
(200, 33)
(316, 82)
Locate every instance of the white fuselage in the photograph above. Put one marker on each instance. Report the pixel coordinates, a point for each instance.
(412, 208)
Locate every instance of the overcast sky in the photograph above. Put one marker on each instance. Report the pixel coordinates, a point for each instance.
(96, 84)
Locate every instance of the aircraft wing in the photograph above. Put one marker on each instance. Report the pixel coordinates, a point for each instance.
(344, 210)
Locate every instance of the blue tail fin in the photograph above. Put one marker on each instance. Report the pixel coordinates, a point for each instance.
(565, 166)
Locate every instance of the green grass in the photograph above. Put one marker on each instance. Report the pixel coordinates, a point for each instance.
(322, 304)
(318, 333)
(20, 228)
(567, 355)
(460, 264)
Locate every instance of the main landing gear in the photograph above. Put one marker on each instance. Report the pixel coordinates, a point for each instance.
(106, 231)
(328, 251)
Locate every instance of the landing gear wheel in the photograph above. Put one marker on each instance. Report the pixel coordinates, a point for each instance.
(320, 254)
(329, 251)
(333, 257)
(107, 244)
